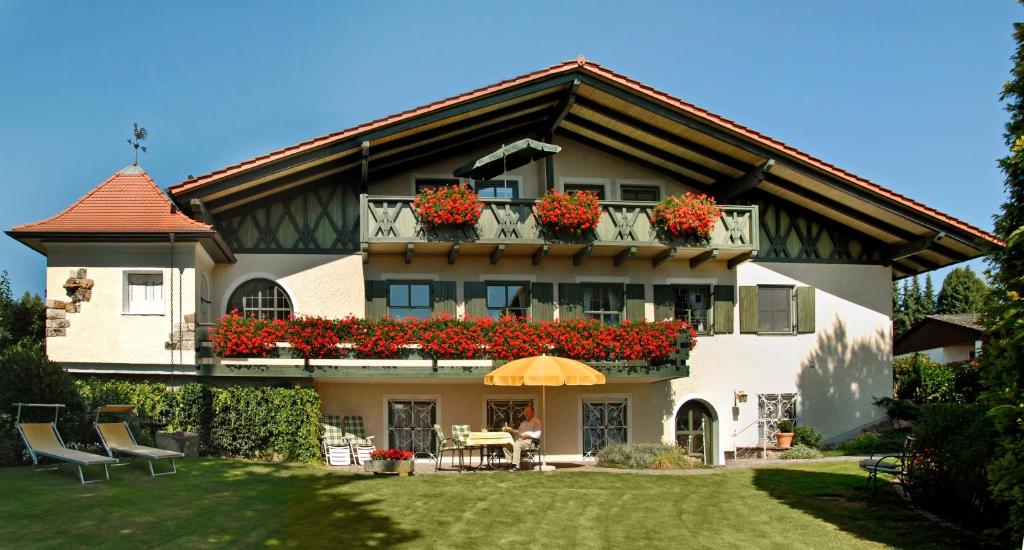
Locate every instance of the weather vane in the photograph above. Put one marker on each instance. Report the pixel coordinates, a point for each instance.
(140, 134)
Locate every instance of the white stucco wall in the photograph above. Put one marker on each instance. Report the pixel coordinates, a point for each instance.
(101, 332)
(947, 354)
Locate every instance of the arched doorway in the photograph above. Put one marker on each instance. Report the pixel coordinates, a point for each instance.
(695, 430)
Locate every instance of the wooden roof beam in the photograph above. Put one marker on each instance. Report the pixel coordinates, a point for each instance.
(563, 107)
(364, 167)
(727, 190)
(682, 178)
(915, 247)
(200, 212)
(705, 256)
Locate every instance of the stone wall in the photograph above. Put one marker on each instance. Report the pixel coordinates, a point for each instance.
(183, 335)
(79, 289)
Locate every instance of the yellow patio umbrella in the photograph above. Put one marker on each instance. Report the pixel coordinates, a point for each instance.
(544, 370)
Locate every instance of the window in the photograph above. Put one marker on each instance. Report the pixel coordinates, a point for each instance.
(604, 423)
(639, 193)
(261, 298)
(498, 189)
(433, 183)
(501, 412)
(594, 187)
(508, 299)
(143, 293)
(411, 425)
(408, 300)
(775, 309)
(692, 303)
(205, 301)
(603, 302)
(773, 407)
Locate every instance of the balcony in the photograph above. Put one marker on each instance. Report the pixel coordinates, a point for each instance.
(510, 228)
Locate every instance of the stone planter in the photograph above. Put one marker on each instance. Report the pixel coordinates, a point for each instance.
(186, 443)
(401, 467)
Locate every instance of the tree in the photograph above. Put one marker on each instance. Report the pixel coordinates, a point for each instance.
(1002, 360)
(928, 298)
(962, 292)
(899, 313)
(6, 300)
(913, 302)
(23, 319)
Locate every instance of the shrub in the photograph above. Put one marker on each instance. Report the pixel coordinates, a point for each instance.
(807, 435)
(574, 213)
(643, 456)
(918, 378)
(267, 423)
(864, 444)
(897, 409)
(153, 403)
(455, 205)
(800, 451)
(688, 216)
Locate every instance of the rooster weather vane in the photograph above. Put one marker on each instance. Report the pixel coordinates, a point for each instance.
(140, 134)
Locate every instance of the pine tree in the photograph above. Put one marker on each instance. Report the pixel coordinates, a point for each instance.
(928, 298)
(899, 316)
(1002, 370)
(914, 301)
(962, 292)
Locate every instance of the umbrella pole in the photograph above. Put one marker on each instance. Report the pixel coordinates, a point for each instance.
(544, 428)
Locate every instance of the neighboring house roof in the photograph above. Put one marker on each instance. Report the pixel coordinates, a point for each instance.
(127, 204)
(939, 331)
(710, 159)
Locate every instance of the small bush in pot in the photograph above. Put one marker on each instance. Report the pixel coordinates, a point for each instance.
(784, 437)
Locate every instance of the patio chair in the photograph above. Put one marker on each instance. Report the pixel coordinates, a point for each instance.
(447, 444)
(460, 435)
(533, 454)
(360, 444)
(336, 447)
(116, 437)
(896, 465)
(44, 441)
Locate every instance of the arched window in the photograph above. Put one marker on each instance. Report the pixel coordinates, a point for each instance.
(205, 299)
(262, 298)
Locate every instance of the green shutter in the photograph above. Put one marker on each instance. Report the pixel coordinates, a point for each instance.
(635, 303)
(804, 309)
(725, 301)
(376, 300)
(542, 301)
(664, 303)
(476, 298)
(443, 298)
(748, 310)
(570, 301)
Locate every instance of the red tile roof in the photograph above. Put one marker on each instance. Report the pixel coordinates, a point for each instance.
(127, 202)
(595, 69)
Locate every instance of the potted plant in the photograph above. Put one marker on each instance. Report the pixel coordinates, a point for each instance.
(688, 216)
(571, 214)
(784, 437)
(449, 206)
(390, 461)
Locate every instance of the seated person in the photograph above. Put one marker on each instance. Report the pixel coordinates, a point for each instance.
(528, 433)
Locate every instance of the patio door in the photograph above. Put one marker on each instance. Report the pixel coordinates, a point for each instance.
(604, 422)
(695, 430)
(411, 425)
(506, 411)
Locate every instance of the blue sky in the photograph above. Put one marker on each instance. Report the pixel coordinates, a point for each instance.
(903, 93)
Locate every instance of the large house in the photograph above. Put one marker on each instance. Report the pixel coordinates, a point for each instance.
(790, 296)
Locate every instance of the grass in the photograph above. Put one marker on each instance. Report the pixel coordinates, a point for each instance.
(224, 503)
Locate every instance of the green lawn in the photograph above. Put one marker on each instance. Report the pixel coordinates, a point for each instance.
(244, 504)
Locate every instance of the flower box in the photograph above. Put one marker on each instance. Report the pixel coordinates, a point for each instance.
(569, 216)
(450, 206)
(401, 467)
(689, 218)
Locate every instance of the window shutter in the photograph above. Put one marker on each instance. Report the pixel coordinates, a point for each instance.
(376, 300)
(748, 310)
(635, 302)
(664, 303)
(570, 301)
(804, 309)
(725, 301)
(443, 298)
(542, 301)
(476, 298)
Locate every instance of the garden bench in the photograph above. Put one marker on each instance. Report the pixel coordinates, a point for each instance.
(896, 465)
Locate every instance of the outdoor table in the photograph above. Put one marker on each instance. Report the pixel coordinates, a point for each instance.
(485, 440)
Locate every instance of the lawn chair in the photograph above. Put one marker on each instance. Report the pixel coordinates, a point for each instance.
(896, 465)
(360, 444)
(117, 437)
(533, 454)
(460, 435)
(337, 449)
(447, 444)
(43, 440)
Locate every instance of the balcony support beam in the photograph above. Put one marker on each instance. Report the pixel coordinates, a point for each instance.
(626, 254)
(540, 253)
(409, 248)
(705, 256)
(497, 253)
(364, 250)
(737, 260)
(664, 256)
(453, 253)
(726, 190)
(581, 256)
(364, 167)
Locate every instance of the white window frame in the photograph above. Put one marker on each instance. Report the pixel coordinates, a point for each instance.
(628, 182)
(126, 306)
(605, 182)
(412, 183)
(517, 179)
(596, 397)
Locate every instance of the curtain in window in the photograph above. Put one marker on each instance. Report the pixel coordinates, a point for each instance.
(145, 293)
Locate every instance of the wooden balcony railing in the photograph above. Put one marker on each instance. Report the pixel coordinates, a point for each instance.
(392, 220)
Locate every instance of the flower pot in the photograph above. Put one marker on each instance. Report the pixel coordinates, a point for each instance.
(784, 440)
(401, 467)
